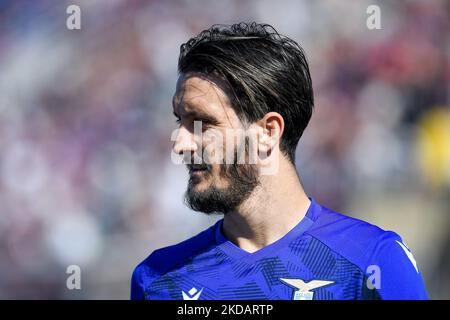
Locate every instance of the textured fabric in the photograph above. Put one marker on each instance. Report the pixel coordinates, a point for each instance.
(325, 256)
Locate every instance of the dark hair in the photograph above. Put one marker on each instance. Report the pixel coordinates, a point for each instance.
(264, 70)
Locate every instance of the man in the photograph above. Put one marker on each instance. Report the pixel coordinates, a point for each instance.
(274, 241)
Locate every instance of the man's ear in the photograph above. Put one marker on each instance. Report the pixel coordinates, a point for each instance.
(271, 128)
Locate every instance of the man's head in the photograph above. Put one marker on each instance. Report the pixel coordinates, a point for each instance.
(236, 78)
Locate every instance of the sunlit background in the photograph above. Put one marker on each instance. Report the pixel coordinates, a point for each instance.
(85, 124)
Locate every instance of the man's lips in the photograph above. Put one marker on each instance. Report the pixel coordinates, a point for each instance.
(196, 170)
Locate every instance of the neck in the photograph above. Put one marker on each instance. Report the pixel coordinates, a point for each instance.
(275, 207)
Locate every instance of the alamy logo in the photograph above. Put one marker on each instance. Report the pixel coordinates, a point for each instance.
(74, 280)
(73, 21)
(192, 294)
(303, 291)
(234, 146)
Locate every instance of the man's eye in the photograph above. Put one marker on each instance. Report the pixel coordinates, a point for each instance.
(205, 124)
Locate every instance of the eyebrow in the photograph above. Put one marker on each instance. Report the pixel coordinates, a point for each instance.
(196, 114)
(201, 115)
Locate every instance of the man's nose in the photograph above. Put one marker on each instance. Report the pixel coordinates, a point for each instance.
(184, 142)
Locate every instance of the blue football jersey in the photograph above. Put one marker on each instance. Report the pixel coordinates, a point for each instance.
(327, 255)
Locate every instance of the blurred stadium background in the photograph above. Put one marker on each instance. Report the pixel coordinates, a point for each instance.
(85, 124)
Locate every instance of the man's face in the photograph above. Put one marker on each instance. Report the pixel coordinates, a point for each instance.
(207, 132)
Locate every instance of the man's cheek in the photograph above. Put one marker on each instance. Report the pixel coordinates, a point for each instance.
(214, 147)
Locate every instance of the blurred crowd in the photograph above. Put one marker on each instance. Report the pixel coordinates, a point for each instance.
(86, 118)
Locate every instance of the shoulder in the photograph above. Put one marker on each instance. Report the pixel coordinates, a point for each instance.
(352, 238)
(167, 258)
(372, 250)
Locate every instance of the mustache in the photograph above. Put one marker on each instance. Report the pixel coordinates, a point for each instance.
(196, 162)
(201, 166)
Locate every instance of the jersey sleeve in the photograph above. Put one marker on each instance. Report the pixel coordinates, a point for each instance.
(393, 271)
(143, 275)
(137, 286)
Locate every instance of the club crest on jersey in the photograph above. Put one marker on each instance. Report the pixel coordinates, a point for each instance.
(303, 291)
(192, 294)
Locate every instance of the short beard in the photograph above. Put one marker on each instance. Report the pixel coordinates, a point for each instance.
(242, 179)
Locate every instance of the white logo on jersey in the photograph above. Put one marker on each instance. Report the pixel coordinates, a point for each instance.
(192, 294)
(303, 292)
(409, 254)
